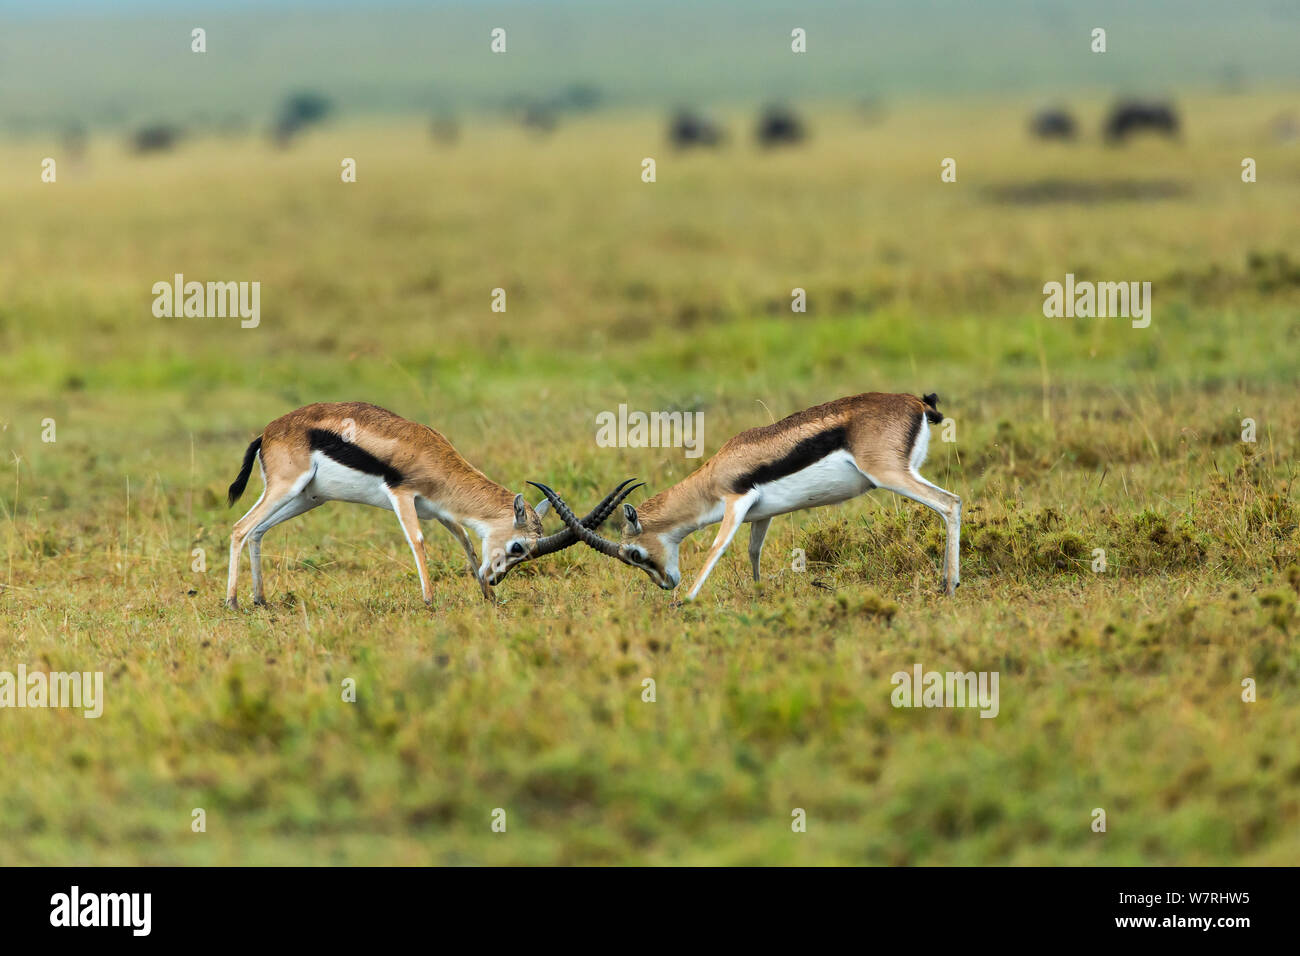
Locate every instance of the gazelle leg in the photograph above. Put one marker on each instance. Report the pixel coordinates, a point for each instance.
(273, 496)
(404, 506)
(732, 519)
(289, 508)
(945, 503)
(460, 534)
(757, 532)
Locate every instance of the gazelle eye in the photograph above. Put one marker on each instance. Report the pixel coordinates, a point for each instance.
(516, 548)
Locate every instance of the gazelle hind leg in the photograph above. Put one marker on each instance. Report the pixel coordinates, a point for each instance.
(757, 532)
(273, 496)
(300, 503)
(733, 517)
(911, 485)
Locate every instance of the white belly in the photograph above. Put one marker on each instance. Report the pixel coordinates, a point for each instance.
(829, 481)
(335, 482)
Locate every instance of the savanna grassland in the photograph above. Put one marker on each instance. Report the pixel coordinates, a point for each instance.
(1119, 690)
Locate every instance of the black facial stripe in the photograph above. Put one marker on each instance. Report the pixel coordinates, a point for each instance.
(353, 456)
(809, 450)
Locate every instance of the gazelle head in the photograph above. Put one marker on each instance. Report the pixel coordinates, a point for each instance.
(655, 554)
(516, 538)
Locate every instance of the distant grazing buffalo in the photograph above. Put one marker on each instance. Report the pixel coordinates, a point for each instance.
(1053, 124)
(298, 112)
(780, 126)
(1131, 117)
(157, 138)
(688, 129)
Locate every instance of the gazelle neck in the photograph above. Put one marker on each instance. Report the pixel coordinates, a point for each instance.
(469, 495)
(686, 507)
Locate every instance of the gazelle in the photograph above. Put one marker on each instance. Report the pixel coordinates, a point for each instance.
(821, 456)
(357, 452)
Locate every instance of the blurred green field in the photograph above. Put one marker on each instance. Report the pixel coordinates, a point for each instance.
(1119, 690)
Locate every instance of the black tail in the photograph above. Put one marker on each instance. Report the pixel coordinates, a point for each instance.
(932, 413)
(241, 480)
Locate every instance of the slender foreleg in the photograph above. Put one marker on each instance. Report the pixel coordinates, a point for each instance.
(757, 532)
(404, 506)
(734, 515)
(463, 537)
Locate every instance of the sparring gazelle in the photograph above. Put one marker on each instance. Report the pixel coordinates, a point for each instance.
(821, 456)
(361, 453)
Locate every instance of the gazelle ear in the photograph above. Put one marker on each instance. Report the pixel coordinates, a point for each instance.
(633, 523)
(521, 512)
(543, 507)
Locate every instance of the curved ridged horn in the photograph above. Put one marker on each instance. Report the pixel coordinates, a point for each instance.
(588, 537)
(594, 519)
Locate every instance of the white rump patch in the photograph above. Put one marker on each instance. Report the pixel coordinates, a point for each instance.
(921, 447)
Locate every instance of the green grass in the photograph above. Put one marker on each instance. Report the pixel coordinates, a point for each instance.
(1119, 690)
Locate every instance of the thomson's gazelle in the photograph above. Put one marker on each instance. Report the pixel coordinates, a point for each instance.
(820, 456)
(356, 452)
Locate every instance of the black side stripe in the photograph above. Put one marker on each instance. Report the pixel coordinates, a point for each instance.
(809, 450)
(353, 456)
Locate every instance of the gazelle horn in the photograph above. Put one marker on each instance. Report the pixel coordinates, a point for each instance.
(594, 519)
(588, 537)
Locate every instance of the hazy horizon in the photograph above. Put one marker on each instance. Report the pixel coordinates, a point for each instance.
(112, 64)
